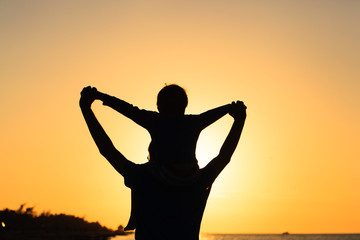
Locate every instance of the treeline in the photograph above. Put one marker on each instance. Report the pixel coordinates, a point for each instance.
(24, 222)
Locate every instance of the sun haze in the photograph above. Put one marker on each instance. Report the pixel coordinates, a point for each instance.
(295, 64)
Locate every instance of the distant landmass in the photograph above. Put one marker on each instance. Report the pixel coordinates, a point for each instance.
(24, 223)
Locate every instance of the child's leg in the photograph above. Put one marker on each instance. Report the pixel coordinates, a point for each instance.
(132, 221)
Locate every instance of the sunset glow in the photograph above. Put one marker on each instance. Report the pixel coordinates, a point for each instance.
(295, 64)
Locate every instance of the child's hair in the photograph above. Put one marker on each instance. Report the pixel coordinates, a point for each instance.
(172, 99)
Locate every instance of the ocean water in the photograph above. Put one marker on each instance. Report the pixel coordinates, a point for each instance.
(280, 237)
(265, 237)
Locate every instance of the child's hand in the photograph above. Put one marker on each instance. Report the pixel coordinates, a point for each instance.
(88, 96)
(238, 110)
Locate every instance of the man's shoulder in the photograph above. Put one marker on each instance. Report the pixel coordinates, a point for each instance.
(137, 166)
(133, 172)
(208, 175)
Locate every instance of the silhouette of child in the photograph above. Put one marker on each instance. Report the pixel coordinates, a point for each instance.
(174, 135)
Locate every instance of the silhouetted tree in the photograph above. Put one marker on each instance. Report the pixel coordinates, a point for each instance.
(27, 222)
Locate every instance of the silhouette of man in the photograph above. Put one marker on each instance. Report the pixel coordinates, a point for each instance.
(169, 206)
(174, 135)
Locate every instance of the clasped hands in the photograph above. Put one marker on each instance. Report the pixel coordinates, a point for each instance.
(238, 110)
(88, 96)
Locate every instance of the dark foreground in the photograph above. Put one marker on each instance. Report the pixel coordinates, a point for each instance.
(24, 223)
(42, 235)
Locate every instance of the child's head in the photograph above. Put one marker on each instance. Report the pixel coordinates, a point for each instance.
(172, 99)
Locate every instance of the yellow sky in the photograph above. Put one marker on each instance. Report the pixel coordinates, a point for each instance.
(294, 63)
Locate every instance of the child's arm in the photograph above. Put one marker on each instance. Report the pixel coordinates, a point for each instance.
(238, 112)
(141, 117)
(102, 140)
(211, 116)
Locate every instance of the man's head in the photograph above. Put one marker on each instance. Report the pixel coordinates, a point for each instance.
(172, 99)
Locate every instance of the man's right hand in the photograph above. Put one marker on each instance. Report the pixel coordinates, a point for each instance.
(88, 96)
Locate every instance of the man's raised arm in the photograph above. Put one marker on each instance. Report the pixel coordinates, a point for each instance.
(102, 140)
(238, 112)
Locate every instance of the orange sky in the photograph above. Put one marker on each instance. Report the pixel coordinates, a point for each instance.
(294, 63)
